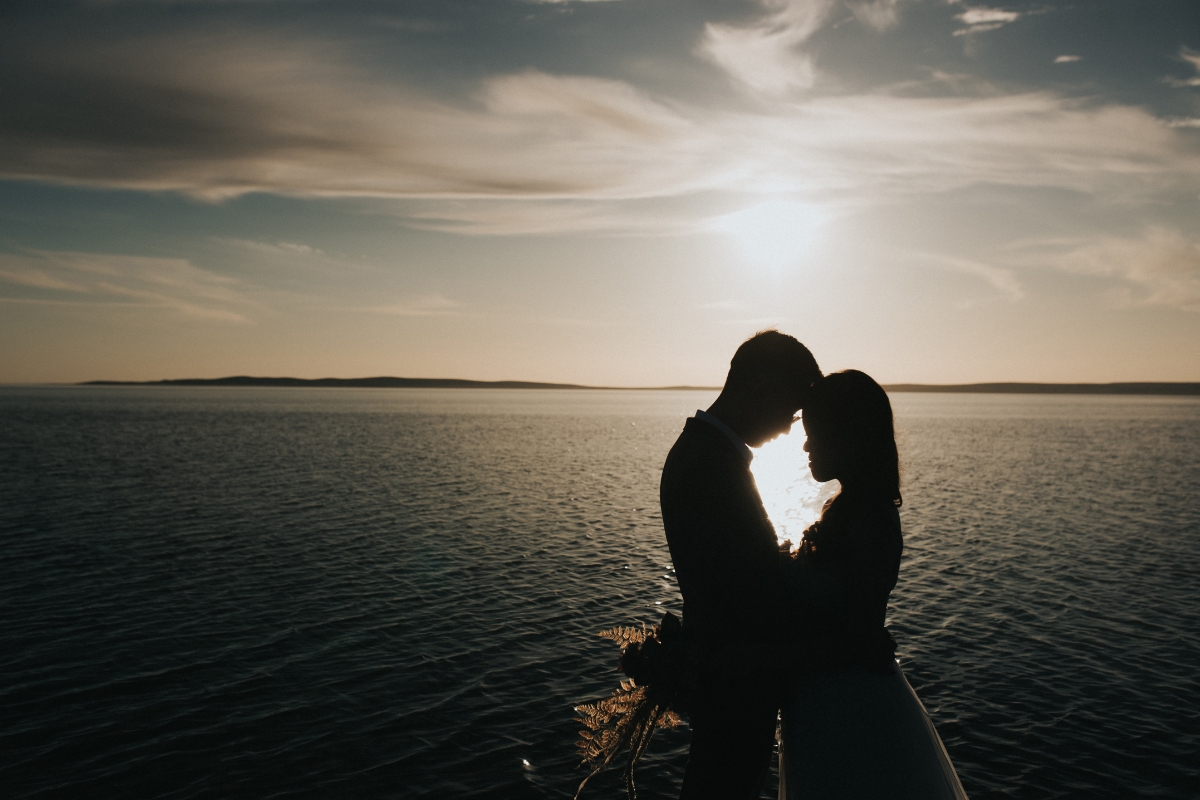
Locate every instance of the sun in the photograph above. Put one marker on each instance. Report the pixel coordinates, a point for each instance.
(775, 234)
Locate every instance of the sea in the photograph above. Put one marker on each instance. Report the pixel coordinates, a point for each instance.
(395, 593)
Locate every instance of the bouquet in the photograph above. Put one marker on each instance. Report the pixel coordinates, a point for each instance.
(657, 664)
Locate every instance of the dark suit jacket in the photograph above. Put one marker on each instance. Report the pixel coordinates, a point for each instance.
(724, 549)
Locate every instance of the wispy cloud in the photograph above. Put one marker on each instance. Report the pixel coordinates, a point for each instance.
(879, 146)
(1160, 267)
(522, 217)
(1191, 57)
(237, 116)
(38, 279)
(763, 55)
(980, 19)
(285, 249)
(430, 305)
(877, 14)
(1067, 59)
(168, 283)
(1163, 263)
(1002, 279)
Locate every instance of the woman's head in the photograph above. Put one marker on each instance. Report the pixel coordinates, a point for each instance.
(851, 436)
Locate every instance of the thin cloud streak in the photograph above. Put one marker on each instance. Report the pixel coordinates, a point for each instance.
(1161, 267)
(169, 283)
(521, 217)
(1001, 279)
(431, 305)
(979, 19)
(285, 250)
(38, 279)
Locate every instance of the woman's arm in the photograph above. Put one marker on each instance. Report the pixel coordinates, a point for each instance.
(814, 598)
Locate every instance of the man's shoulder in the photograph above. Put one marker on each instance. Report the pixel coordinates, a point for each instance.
(701, 446)
(701, 462)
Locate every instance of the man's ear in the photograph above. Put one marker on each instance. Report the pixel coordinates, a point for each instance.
(762, 384)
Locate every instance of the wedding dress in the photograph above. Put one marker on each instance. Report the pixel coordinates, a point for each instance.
(862, 735)
(852, 726)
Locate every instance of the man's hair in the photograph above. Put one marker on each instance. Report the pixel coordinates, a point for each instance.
(776, 359)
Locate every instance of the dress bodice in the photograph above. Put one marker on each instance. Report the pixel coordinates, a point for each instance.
(837, 586)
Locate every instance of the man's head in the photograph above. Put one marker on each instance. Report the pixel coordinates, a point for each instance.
(769, 379)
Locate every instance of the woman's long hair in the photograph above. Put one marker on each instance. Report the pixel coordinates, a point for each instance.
(854, 411)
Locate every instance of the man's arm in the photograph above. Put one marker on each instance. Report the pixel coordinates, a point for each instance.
(732, 551)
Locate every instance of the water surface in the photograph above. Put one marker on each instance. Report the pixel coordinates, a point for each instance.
(212, 593)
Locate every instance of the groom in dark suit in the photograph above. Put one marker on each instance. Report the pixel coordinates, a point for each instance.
(728, 564)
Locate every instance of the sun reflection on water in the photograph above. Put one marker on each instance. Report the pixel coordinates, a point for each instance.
(792, 498)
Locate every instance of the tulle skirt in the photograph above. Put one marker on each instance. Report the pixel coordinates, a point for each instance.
(859, 735)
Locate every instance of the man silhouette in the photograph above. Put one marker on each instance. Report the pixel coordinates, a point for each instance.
(728, 564)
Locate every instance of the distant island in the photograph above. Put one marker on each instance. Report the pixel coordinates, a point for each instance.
(454, 383)
(379, 383)
(1050, 388)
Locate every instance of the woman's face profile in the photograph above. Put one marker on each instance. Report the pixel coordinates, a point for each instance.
(822, 452)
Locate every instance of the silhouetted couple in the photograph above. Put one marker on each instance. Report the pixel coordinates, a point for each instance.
(798, 635)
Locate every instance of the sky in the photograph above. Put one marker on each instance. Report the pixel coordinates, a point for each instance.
(609, 193)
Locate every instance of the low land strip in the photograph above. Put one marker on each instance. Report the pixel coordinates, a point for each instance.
(1144, 388)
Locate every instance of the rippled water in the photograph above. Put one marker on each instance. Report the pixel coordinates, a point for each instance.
(393, 593)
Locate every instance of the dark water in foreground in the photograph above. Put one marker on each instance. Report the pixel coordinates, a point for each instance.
(393, 593)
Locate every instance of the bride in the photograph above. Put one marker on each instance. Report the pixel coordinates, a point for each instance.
(852, 727)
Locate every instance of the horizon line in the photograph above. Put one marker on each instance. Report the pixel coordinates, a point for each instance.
(387, 382)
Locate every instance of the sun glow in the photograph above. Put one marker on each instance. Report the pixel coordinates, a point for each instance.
(776, 234)
(792, 498)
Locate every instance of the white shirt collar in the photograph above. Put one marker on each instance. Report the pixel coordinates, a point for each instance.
(742, 447)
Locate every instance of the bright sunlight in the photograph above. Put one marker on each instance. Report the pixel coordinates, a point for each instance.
(775, 234)
(792, 498)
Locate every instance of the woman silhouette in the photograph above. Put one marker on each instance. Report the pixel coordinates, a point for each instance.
(853, 729)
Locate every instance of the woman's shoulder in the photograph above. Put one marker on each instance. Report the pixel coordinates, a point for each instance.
(870, 520)
(862, 510)
(880, 513)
